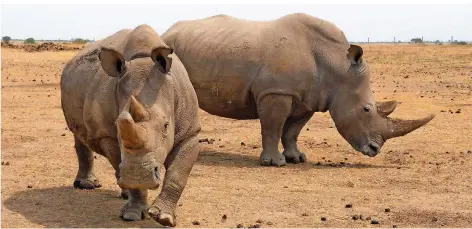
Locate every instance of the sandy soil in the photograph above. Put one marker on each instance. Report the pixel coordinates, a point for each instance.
(422, 178)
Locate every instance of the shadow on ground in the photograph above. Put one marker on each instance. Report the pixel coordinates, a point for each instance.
(228, 159)
(69, 207)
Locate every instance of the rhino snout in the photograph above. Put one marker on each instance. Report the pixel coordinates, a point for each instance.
(133, 178)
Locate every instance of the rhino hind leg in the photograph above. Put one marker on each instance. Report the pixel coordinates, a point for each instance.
(136, 207)
(273, 111)
(292, 129)
(85, 178)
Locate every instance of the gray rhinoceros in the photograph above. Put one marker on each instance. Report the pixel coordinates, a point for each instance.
(282, 72)
(129, 98)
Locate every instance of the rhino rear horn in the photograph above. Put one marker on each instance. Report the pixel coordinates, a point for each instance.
(399, 127)
(131, 135)
(386, 108)
(137, 110)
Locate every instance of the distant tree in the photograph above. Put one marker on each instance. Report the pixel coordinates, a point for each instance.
(30, 41)
(438, 42)
(6, 39)
(79, 41)
(417, 40)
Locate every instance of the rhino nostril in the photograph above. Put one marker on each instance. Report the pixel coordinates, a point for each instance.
(374, 147)
(156, 172)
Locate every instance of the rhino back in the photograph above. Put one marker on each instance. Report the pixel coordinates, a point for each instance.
(233, 62)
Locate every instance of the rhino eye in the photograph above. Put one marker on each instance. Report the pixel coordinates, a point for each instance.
(366, 109)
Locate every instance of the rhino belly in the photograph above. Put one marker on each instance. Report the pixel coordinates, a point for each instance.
(226, 102)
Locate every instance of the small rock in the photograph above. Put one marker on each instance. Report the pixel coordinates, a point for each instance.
(387, 209)
(255, 226)
(259, 221)
(7, 163)
(361, 217)
(374, 222)
(196, 222)
(348, 206)
(304, 214)
(355, 217)
(285, 186)
(222, 146)
(269, 223)
(255, 147)
(30, 186)
(323, 219)
(307, 128)
(434, 219)
(224, 217)
(368, 218)
(243, 144)
(63, 135)
(239, 225)
(394, 226)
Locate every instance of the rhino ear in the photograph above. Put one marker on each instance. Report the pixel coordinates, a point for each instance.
(355, 54)
(112, 62)
(386, 108)
(161, 56)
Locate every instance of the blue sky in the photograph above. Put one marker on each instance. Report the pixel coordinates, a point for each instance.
(379, 22)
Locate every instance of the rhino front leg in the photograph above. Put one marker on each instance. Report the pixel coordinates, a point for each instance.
(273, 111)
(292, 129)
(85, 178)
(178, 165)
(136, 207)
(112, 151)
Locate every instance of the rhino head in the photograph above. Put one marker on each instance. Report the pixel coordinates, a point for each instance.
(360, 120)
(144, 124)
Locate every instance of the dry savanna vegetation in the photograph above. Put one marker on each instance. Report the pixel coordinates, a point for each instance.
(420, 180)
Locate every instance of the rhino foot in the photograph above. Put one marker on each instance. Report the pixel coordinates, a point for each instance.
(272, 159)
(133, 211)
(294, 156)
(164, 218)
(89, 183)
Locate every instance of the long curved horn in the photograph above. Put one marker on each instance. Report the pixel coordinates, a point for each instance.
(131, 136)
(385, 108)
(399, 127)
(137, 110)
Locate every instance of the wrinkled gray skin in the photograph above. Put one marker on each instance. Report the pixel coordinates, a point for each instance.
(282, 72)
(129, 98)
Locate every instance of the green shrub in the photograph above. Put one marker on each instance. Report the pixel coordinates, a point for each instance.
(30, 41)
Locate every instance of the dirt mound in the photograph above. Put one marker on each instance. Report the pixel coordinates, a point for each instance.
(47, 46)
(8, 45)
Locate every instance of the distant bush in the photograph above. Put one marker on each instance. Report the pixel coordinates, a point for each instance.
(30, 41)
(459, 42)
(79, 41)
(438, 42)
(417, 40)
(6, 39)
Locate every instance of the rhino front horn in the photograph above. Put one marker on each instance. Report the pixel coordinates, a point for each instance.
(130, 134)
(399, 127)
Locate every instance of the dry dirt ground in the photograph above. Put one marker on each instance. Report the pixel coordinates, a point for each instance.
(424, 178)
